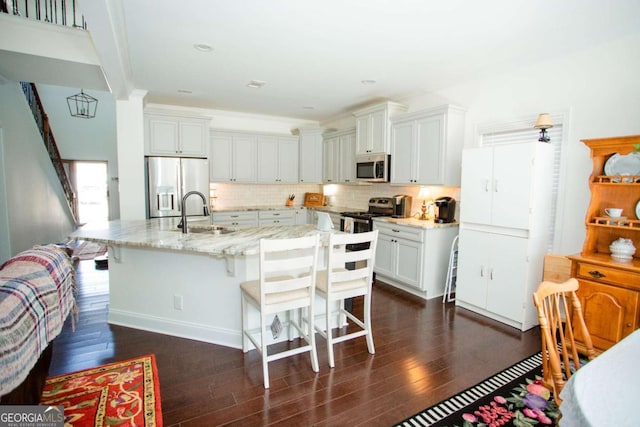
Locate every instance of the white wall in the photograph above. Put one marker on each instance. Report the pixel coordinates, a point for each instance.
(85, 139)
(33, 205)
(601, 89)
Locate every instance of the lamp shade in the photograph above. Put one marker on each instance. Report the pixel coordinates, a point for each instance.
(543, 122)
(425, 193)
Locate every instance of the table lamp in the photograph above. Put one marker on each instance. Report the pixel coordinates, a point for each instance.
(424, 194)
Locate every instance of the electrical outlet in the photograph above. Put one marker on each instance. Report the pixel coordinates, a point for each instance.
(178, 302)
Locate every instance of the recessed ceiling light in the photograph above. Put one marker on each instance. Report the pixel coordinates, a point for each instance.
(256, 84)
(368, 82)
(203, 47)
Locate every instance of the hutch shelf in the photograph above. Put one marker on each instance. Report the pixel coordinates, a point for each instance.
(609, 288)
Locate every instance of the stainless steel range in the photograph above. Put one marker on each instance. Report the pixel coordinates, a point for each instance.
(363, 220)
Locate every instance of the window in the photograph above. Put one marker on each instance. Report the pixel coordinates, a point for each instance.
(523, 131)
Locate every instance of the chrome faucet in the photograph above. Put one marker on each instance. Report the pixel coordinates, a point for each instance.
(205, 205)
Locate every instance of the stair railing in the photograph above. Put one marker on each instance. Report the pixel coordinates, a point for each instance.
(42, 121)
(54, 11)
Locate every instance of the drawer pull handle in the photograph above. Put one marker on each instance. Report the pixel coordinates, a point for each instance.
(596, 274)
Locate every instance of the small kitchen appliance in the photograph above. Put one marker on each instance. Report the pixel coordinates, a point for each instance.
(402, 206)
(446, 209)
(373, 168)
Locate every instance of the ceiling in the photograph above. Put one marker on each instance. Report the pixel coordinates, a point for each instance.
(314, 55)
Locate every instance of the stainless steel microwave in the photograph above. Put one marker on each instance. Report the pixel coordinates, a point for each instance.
(373, 168)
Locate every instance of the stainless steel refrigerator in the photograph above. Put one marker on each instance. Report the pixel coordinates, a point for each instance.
(169, 178)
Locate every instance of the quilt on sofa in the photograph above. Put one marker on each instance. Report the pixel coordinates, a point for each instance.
(37, 293)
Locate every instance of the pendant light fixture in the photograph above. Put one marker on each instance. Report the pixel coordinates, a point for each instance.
(82, 105)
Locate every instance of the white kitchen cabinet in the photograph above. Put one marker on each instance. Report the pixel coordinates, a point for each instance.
(277, 159)
(301, 216)
(339, 157)
(167, 135)
(495, 273)
(499, 183)
(426, 147)
(268, 218)
(235, 218)
(373, 127)
(504, 232)
(233, 157)
(310, 163)
(414, 259)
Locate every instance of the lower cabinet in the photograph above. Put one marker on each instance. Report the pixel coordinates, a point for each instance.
(610, 299)
(236, 218)
(414, 258)
(495, 277)
(268, 218)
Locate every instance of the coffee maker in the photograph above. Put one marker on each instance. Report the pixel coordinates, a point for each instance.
(401, 206)
(446, 209)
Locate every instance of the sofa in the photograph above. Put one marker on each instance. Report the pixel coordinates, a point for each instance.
(37, 294)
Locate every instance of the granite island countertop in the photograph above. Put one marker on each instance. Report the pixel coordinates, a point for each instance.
(414, 222)
(162, 233)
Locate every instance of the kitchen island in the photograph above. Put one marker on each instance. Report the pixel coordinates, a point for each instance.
(185, 285)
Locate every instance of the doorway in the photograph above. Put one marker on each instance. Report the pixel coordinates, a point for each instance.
(90, 179)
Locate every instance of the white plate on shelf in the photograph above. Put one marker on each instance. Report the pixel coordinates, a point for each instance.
(619, 164)
(638, 210)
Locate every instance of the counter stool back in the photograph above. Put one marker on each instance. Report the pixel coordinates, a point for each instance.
(287, 282)
(338, 283)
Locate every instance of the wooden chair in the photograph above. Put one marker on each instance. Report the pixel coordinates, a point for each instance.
(559, 330)
(287, 282)
(349, 274)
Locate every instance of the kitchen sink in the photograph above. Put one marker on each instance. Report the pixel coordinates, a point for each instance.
(214, 230)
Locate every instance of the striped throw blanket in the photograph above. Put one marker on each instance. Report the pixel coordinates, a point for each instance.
(37, 293)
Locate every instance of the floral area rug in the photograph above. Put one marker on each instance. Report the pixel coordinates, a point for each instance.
(117, 394)
(513, 397)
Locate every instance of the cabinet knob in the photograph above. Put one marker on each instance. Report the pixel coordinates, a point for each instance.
(628, 325)
(596, 274)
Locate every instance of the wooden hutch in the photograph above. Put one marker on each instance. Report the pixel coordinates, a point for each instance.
(610, 289)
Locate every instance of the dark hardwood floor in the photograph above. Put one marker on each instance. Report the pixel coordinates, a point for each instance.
(425, 352)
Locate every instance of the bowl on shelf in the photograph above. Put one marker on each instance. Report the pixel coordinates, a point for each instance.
(622, 249)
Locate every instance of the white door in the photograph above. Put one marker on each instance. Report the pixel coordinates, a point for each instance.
(163, 136)
(330, 158)
(245, 161)
(362, 135)
(267, 159)
(221, 158)
(347, 158)
(512, 176)
(476, 187)
(409, 262)
(402, 153)
(288, 160)
(428, 150)
(385, 253)
(473, 267)
(193, 139)
(507, 276)
(378, 130)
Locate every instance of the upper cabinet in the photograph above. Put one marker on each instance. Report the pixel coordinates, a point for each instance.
(167, 135)
(373, 127)
(339, 157)
(614, 183)
(233, 157)
(426, 147)
(277, 159)
(501, 184)
(310, 164)
(242, 157)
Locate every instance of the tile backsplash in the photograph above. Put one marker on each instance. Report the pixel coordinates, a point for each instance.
(354, 197)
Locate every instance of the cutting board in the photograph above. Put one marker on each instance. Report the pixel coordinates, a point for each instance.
(313, 199)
